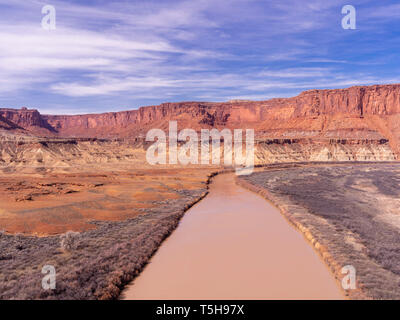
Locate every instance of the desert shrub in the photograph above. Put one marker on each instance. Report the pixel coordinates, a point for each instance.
(69, 240)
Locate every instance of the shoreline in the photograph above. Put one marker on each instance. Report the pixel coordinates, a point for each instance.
(229, 220)
(321, 250)
(125, 284)
(332, 218)
(106, 257)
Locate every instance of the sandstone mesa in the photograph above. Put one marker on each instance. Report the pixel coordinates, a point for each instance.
(359, 123)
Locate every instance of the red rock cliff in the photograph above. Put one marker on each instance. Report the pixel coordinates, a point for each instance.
(354, 112)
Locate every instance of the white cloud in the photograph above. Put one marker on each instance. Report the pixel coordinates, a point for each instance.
(296, 73)
(107, 86)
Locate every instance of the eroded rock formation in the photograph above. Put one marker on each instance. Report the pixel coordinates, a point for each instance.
(357, 123)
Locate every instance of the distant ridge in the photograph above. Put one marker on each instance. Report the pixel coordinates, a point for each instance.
(360, 112)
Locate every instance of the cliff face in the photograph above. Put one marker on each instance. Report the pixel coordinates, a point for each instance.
(29, 120)
(24, 118)
(352, 102)
(357, 101)
(7, 124)
(358, 113)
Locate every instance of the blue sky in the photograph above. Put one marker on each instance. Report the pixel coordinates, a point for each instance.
(111, 56)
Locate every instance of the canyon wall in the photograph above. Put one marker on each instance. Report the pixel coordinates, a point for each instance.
(356, 102)
(323, 124)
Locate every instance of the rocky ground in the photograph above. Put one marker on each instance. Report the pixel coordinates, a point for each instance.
(350, 213)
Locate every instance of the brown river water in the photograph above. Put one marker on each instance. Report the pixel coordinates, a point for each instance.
(234, 245)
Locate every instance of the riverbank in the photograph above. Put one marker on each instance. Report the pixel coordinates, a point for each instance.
(348, 213)
(234, 245)
(129, 215)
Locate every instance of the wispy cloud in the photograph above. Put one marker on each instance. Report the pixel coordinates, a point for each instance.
(137, 52)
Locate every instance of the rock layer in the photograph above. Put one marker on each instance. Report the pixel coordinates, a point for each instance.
(354, 123)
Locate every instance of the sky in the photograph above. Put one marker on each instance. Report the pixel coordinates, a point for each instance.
(120, 55)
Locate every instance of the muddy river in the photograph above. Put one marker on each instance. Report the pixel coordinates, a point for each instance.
(234, 245)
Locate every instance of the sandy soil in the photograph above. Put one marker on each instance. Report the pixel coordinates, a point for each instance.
(55, 203)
